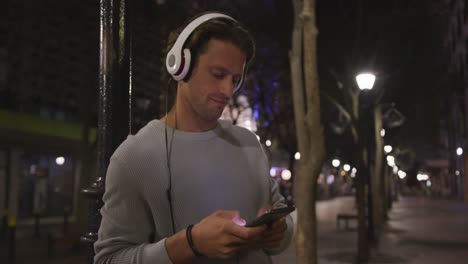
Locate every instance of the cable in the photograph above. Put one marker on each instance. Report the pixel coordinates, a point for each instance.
(169, 189)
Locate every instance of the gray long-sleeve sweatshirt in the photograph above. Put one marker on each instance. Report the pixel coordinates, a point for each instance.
(221, 169)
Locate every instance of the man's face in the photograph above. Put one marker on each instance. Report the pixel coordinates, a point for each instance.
(213, 80)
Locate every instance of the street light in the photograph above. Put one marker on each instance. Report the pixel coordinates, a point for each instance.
(346, 167)
(336, 163)
(388, 149)
(401, 174)
(297, 156)
(382, 132)
(365, 81)
(286, 175)
(459, 151)
(272, 172)
(391, 161)
(422, 177)
(60, 160)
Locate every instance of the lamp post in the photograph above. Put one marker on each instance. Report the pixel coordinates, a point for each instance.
(365, 82)
(114, 124)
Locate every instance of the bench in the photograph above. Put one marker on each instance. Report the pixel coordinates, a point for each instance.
(344, 218)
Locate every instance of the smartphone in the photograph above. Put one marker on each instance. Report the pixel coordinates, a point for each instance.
(270, 216)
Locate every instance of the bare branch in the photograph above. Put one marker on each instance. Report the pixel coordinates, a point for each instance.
(339, 84)
(342, 110)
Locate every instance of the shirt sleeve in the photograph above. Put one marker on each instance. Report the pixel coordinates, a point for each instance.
(278, 201)
(126, 225)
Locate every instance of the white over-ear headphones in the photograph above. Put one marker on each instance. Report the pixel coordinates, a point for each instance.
(178, 64)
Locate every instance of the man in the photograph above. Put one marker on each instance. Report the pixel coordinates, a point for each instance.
(182, 188)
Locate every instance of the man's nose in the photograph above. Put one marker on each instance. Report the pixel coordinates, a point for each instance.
(227, 87)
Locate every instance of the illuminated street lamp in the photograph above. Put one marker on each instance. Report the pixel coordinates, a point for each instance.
(388, 149)
(459, 151)
(60, 160)
(346, 167)
(391, 161)
(382, 132)
(336, 163)
(401, 174)
(272, 172)
(297, 156)
(286, 175)
(365, 81)
(422, 177)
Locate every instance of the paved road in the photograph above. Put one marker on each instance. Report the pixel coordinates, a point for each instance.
(419, 231)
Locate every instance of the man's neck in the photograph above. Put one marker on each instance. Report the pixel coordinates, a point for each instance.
(185, 121)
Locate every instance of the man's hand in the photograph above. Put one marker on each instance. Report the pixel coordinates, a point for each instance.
(223, 234)
(218, 235)
(272, 236)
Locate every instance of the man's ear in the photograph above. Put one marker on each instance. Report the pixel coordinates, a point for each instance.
(190, 70)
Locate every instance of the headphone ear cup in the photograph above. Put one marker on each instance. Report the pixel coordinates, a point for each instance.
(189, 69)
(185, 65)
(242, 80)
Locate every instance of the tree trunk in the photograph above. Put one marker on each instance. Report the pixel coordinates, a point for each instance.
(295, 58)
(309, 130)
(363, 252)
(386, 191)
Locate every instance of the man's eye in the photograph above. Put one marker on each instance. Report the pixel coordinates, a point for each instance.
(218, 75)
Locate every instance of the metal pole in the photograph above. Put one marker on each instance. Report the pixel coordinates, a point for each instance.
(114, 72)
(37, 224)
(7, 194)
(363, 247)
(12, 238)
(4, 227)
(66, 213)
(368, 135)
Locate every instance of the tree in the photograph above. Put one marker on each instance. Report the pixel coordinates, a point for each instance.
(308, 126)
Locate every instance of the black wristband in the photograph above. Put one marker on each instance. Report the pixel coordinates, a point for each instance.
(188, 233)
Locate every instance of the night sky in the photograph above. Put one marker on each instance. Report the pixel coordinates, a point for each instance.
(401, 42)
(50, 53)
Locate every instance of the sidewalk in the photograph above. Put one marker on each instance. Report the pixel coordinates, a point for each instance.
(32, 249)
(419, 231)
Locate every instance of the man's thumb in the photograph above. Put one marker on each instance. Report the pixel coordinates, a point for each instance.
(234, 216)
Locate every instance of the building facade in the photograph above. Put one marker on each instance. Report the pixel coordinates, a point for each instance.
(456, 51)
